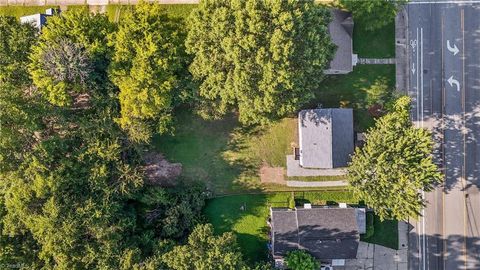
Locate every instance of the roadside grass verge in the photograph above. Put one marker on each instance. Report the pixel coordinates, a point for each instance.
(385, 232)
(246, 215)
(115, 12)
(19, 11)
(374, 44)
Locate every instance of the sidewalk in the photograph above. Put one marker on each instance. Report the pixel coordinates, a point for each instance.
(340, 183)
(401, 22)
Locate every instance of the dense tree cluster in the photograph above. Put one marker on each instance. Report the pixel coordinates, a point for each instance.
(150, 69)
(394, 165)
(81, 99)
(72, 192)
(263, 59)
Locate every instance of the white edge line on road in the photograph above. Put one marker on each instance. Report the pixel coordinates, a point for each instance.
(417, 96)
(422, 123)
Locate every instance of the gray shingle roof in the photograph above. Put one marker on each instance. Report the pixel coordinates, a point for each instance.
(325, 137)
(326, 233)
(341, 31)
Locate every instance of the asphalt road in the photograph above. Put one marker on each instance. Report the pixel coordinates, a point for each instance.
(444, 82)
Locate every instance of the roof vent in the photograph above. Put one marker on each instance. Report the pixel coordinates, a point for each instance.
(307, 206)
(342, 205)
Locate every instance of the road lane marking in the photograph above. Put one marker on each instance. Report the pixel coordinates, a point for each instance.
(418, 90)
(445, 165)
(453, 49)
(453, 82)
(421, 68)
(462, 25)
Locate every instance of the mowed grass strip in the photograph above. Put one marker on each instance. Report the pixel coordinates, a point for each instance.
(19, 11)
(374, 44)
(350, 91)
(246, 215)
(115, 12)
(385, 232)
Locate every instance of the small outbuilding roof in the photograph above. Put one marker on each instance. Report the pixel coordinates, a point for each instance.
(325, 137)
(325, 232)
(341, 32)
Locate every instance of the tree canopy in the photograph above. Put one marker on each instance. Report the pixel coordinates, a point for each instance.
(72, 190)
(389, 171)
(262, 59)
(373, 14)
(149, 67)
(205, 251)
(72, 56)
(301, 260)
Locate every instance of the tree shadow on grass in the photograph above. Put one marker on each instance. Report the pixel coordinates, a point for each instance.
(208, 152)
(246, 216)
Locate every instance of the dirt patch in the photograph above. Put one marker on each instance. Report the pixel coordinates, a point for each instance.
(272, 175)
(159, 171)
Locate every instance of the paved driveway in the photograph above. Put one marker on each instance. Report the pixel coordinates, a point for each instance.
(376, 257)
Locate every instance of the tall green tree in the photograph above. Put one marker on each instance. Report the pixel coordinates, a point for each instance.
(15, 46)
(373, 14)
(395, 164)
(263, 59)
(301, 260)
(149, 67)
(72, 56)
(205, 251)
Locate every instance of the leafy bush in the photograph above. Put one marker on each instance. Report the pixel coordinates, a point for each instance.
(370, 227)
(301, 260)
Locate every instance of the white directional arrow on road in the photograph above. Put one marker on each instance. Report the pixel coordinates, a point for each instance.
(453, 49)
(452, 82)
(413, 69)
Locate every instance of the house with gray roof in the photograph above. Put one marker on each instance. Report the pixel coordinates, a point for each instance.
(341, 33)
(329, 233)
(40, 19)
(325, 140)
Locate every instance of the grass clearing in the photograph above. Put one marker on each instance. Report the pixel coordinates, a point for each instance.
(385, 232)
(374, 44)
(115, 12)
(350, 91)
(19, 11)
(222, 154)
(250, 224)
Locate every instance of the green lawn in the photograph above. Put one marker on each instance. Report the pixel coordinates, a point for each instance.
(250, 224)
(374, 44)
(350, 91)
(114, 12)
(222, 154)
(19, 11)
(385, 232)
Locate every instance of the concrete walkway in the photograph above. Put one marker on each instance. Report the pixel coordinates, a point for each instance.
(339, 183)
(377, 257)
(376, 61)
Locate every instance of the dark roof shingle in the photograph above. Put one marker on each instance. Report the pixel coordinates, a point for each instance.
(327, 233)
